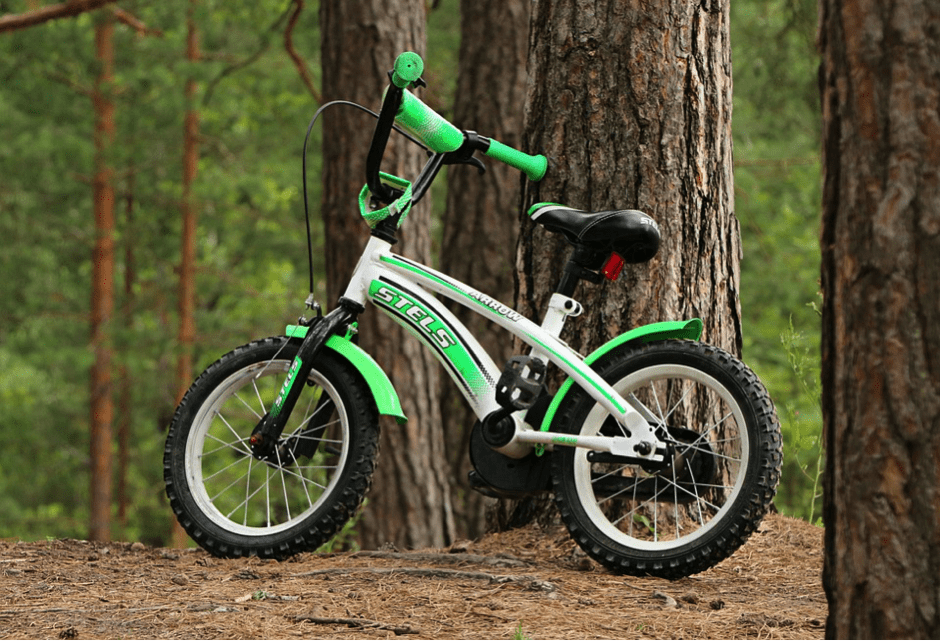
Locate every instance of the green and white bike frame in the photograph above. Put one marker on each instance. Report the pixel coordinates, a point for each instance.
(404, 289)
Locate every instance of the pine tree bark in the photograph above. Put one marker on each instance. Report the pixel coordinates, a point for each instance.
(879, 245)
(409, 504)
(102, 298)
(631, 103)
(632, 106)
(479, 225)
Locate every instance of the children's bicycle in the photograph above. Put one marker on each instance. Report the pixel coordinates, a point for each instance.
(663, 453)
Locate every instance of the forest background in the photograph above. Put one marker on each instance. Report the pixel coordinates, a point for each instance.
(254, 108)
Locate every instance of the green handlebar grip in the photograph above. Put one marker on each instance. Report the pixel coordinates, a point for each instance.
(407, 69)
(424, 123)
(533, 166)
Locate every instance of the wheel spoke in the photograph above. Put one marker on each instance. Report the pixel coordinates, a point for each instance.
(224, 469)
(237, 479)
(306, 481)
(249, 407)
(248, 486)
(231, 429)
(225, 445)
(666, 491)
(284, 487)
(656, 398)
(236, 500)
(261, 402)
(267, 486)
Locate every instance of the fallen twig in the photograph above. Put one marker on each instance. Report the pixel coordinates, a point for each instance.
(354, 623)
(445, 559)
(439, 573)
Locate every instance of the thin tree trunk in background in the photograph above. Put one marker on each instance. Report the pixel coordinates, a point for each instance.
(879, 269)
(409, 503)
(480, 222)
(632, 106)
(188, 209)
(102, 298)
(125, 384)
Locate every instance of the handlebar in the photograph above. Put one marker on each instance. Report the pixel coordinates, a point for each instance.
(401, 107)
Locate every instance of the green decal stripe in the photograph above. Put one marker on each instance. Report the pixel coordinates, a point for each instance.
(532, 210)
(463, 363)
(415, 270)
(279, 402)
(690, 330)
(580, 368)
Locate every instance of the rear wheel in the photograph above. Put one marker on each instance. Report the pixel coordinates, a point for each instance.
(234, 503)
(684, 515)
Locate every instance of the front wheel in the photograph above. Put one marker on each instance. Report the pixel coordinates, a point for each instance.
(722, 466)
(234, 503)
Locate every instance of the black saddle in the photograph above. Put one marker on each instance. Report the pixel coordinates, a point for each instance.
(633, 235)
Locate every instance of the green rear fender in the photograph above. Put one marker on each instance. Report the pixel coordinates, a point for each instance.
(387, 400)
(689, 329)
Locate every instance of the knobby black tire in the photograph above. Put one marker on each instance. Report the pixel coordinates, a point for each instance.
(233, 504)
(726, 462)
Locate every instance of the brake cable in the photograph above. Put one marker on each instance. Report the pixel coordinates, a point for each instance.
(310, 127)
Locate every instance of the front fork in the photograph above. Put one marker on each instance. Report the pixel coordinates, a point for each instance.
(267, 433)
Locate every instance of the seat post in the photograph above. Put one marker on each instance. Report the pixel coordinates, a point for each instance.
(580, 266)
(568, 282)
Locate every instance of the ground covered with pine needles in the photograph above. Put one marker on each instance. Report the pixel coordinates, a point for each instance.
(528, 583)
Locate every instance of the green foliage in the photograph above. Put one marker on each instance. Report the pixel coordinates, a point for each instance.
(251, 251)
(518, 632)
(775, 126)
(802, 435)
(252, 275)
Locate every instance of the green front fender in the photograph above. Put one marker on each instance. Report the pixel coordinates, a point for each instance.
(387, 399)
(691, 330)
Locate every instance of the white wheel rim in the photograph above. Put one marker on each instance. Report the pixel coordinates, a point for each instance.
(239, 493)
(657, 538)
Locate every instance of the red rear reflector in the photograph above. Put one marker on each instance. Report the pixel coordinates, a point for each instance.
(612, 268)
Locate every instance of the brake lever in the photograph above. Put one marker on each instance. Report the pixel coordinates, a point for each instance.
(468, 160)
(464, 155)
(476, 162)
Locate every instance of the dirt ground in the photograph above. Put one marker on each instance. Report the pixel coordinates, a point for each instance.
(528, 583)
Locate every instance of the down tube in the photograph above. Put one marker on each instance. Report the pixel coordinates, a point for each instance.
(570, 362)
(468, 364)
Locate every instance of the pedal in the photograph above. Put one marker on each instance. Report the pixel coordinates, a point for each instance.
(521, 383)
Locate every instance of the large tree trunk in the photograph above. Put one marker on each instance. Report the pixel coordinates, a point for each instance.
(409, 504)
(632, 105)
(102, 288)
(480, 225)
(879, 243)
